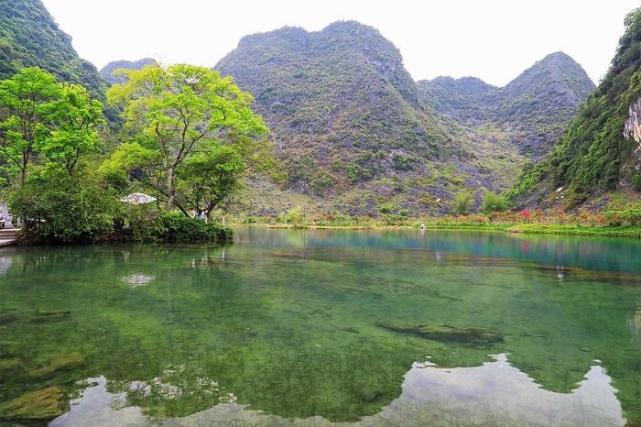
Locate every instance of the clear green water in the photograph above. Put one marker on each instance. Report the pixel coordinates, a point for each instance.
(283, 327)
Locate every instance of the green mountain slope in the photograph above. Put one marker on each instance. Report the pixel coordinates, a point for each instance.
(597, 153)
(29, 37)
(533, 109)
(339, 101)
(350, 127)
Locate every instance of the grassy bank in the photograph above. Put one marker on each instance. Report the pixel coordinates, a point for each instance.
(579, 230)
(565, 226)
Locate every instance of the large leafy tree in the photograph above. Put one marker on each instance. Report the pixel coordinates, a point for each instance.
(25, 104)
(74, 119)
(208, 178)
(178, 111)
(41, 119)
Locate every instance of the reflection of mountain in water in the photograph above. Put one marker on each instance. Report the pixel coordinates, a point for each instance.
(495, 393)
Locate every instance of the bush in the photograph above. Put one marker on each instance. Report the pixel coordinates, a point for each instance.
(176, 227)
(629, 216)
(402, 163)
(141, 223)
(356, 173)
(463, 202)
(58, 208)
(493, 202)
(386, 208)
(294, 216)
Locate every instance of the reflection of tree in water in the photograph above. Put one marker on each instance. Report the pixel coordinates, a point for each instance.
(5, 264)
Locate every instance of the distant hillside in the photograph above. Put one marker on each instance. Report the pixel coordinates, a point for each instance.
(339, 102)
(30, 37)
(350, 127)
(599, 152)
(107, 71)
(534, 108)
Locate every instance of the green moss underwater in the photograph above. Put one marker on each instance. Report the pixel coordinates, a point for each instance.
(299, 323)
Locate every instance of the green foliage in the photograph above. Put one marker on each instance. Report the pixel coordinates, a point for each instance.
(630, 216)
(463, 202)
(591, 155)
(386, 208)
(402, 163)
(29, 37)
(43, 117)
(58, 207)
(356, 173)
(294, 216)
(209, 177)
(112, 74)
(181, 110)
(75, 118)
(321, 182)
(26, 99)
(140, 223)
(179, 228)
(493, 202)
(530, 176)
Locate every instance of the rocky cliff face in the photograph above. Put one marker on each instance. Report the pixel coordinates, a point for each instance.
(632, 126)
(632, 130)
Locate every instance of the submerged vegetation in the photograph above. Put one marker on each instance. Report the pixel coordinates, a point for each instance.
(287, 322)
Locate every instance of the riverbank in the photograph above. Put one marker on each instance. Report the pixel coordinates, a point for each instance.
(509, 227)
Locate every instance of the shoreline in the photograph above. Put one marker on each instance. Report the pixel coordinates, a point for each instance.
(525, 228)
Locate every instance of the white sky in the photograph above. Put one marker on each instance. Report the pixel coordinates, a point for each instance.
(491, 39)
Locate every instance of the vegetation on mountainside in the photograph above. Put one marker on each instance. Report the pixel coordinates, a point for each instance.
(534, 108)
(593, 156)
(493, 202)
(340, 105)
(65, 185)
(29, 37)
(463, 202)
(354, 132)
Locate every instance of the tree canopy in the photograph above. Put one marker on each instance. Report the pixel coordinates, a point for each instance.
(179, 112)
(40, 117)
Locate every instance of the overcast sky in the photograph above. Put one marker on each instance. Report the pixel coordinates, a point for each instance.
(491, 39)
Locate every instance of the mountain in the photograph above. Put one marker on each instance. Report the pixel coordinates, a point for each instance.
(30, 37)
(533, 109)
(599, 152)
(339, 102)
(357, 134)
(350, 126)
(107, 71)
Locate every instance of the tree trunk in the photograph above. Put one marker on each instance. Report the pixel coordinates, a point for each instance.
(170, 189)
(23, 172)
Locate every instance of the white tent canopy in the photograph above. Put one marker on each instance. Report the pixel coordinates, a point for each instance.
(138, 199)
